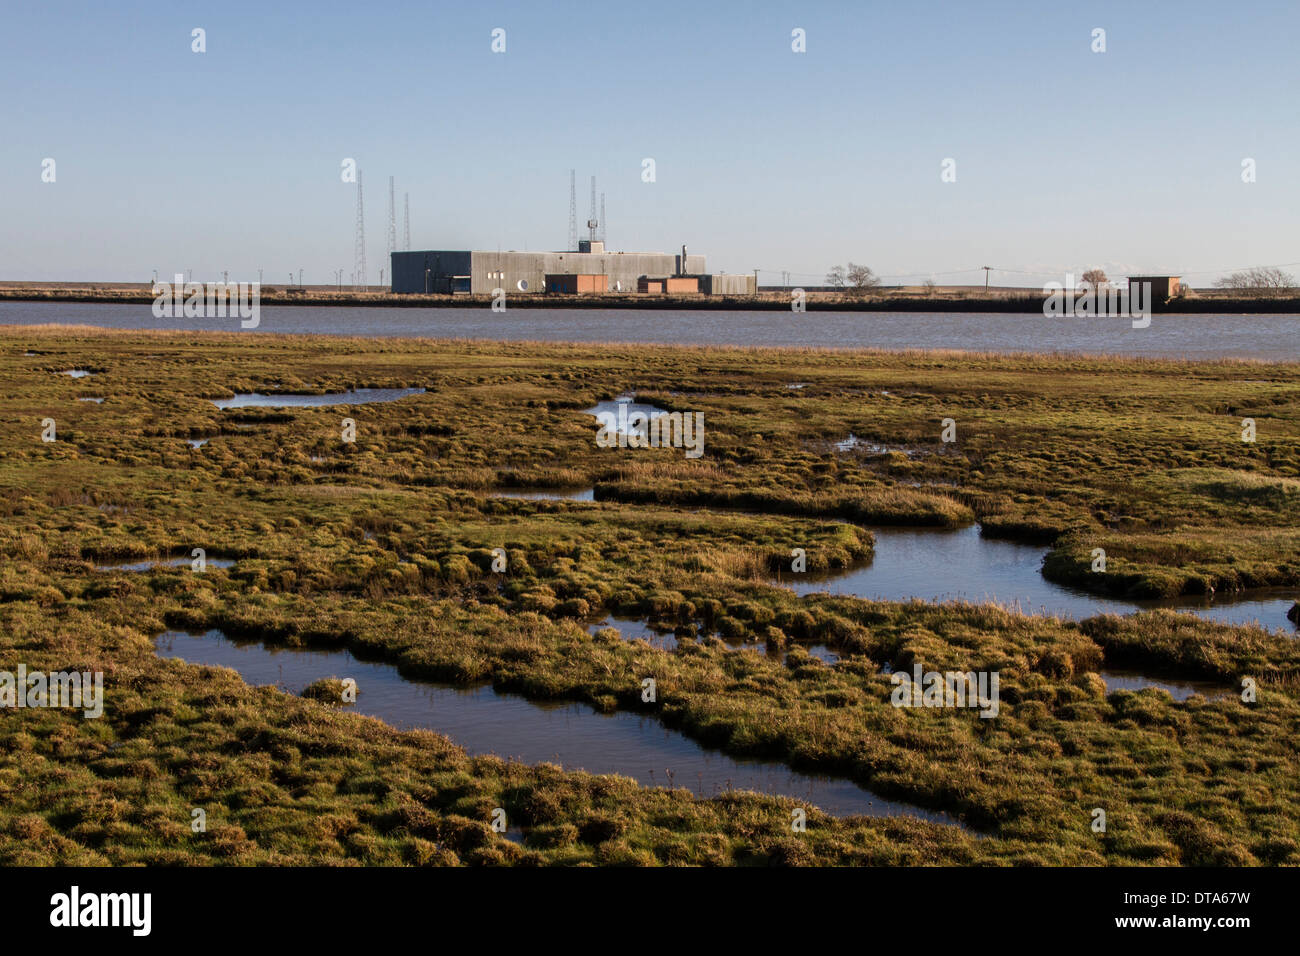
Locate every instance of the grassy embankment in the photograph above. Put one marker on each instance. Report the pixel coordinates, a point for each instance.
(384, 546)
(892, 299)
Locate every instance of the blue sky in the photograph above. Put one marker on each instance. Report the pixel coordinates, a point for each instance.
(230, 159)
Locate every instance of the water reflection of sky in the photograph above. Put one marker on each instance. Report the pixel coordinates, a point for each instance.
(937, 565)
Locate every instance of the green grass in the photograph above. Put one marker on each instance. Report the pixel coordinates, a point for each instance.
(385, 546)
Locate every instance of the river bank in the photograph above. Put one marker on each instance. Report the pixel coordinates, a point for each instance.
(780, 301)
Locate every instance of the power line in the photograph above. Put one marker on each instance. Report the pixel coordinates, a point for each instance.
(1203, 272)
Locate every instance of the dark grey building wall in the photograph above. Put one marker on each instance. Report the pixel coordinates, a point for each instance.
(409, 270)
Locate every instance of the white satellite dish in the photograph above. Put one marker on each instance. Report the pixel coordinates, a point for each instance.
(523, 285)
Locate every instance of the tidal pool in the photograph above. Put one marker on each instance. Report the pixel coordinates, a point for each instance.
(545, 494)
(1178, 689)
(640, 629)
(637, 629)
(853, 443)
(577, 737)
(358, 396)
(163, 563)
(937, 565)
(623, 408)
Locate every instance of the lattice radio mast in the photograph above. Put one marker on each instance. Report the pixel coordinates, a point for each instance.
(392, 221)
(573, 210)
(359, 251)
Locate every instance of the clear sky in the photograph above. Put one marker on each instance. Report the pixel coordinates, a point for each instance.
(230, 159)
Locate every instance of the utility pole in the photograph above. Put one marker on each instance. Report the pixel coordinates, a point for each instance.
(986, 278)
(755, 282)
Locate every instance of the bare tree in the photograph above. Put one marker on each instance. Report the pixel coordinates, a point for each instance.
(861, 278)
(1265, 280)
(835, 278)
(1096, 278)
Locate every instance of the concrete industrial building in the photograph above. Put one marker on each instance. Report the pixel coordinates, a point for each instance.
(589, 270)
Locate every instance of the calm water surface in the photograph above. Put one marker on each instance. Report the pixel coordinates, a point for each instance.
(575, 736)
(640, 629)
(152, 563)
(937, 565)
(1178, 689)
(548, 494)
(1271, 337)
(358, 396)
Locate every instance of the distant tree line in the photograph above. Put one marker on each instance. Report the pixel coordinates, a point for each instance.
(1265, 280)
(860, 280)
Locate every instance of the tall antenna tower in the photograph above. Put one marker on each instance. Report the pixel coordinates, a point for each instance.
(592, 222)
(573, 210)
(406, 224)
(602, 217)
(359, 276)
(392, 221)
